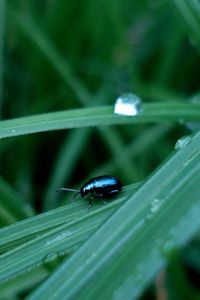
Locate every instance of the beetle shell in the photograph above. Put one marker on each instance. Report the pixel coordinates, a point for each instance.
(101, 187)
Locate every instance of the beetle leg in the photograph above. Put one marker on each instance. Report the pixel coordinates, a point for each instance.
(91, 200)
(90, 204)
(74, 197)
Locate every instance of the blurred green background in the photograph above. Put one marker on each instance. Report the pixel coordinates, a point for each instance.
(64, 54)
(58, 55)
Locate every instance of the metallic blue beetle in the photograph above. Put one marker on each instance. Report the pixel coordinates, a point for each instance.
(102, 187)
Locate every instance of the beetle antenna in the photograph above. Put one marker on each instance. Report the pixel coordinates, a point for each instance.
(67, 190)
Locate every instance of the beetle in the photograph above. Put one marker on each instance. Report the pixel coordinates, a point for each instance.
(100, 187)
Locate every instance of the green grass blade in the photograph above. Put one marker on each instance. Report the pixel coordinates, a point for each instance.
(58, 239)
(116, 147)
(13, 202)
(98, 116)
(124, 255)
(23, 282)
(2, 33)
(65, 163)
(189, 10)
(30, 29)
(142, 143)
(23, 231)
(20, 232)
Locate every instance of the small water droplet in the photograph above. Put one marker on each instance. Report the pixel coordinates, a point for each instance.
(155, 204)
(13, 130)
(50, 257)
(154, 207)
(128, 105)
(168, 248)
(182, 142)
(51, 260)
(58, 238)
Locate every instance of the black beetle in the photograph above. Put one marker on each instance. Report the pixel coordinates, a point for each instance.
(102, 187)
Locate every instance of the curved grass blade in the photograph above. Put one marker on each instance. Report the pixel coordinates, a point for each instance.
(98, 116)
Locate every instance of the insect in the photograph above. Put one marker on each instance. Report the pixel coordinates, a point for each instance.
(101, 187)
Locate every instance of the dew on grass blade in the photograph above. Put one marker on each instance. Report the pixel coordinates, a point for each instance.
(58, 238)
(155, 205)
(128, 105)
(182, 142)
(51, 261)
(50, 257)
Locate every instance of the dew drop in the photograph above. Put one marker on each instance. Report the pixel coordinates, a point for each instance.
(13, 130)
(169, 248)
(154, 208)
(51, 260)
(58, 238)
(182, 142)
(128, 105)
(50, 257)
(155, 205)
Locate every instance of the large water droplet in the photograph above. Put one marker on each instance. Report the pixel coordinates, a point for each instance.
(182, 142)
(128, 105)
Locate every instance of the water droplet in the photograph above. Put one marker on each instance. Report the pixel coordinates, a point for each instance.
(128, 105)
(58, 238)
(168, 248)
(182, 142)
(155, 204)
(154, 207)
(50, 257)
(13, 130)
(51, 260)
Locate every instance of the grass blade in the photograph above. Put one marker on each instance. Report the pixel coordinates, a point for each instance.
(34, 34)
(121, 258)
(64, 165)
(2, 33)
(57, 239)
(98, 116)
(189, 10)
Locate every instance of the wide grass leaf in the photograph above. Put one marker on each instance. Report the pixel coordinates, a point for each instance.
(124, 255)
(59, 231)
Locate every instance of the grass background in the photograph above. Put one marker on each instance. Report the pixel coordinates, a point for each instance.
(62, 66)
